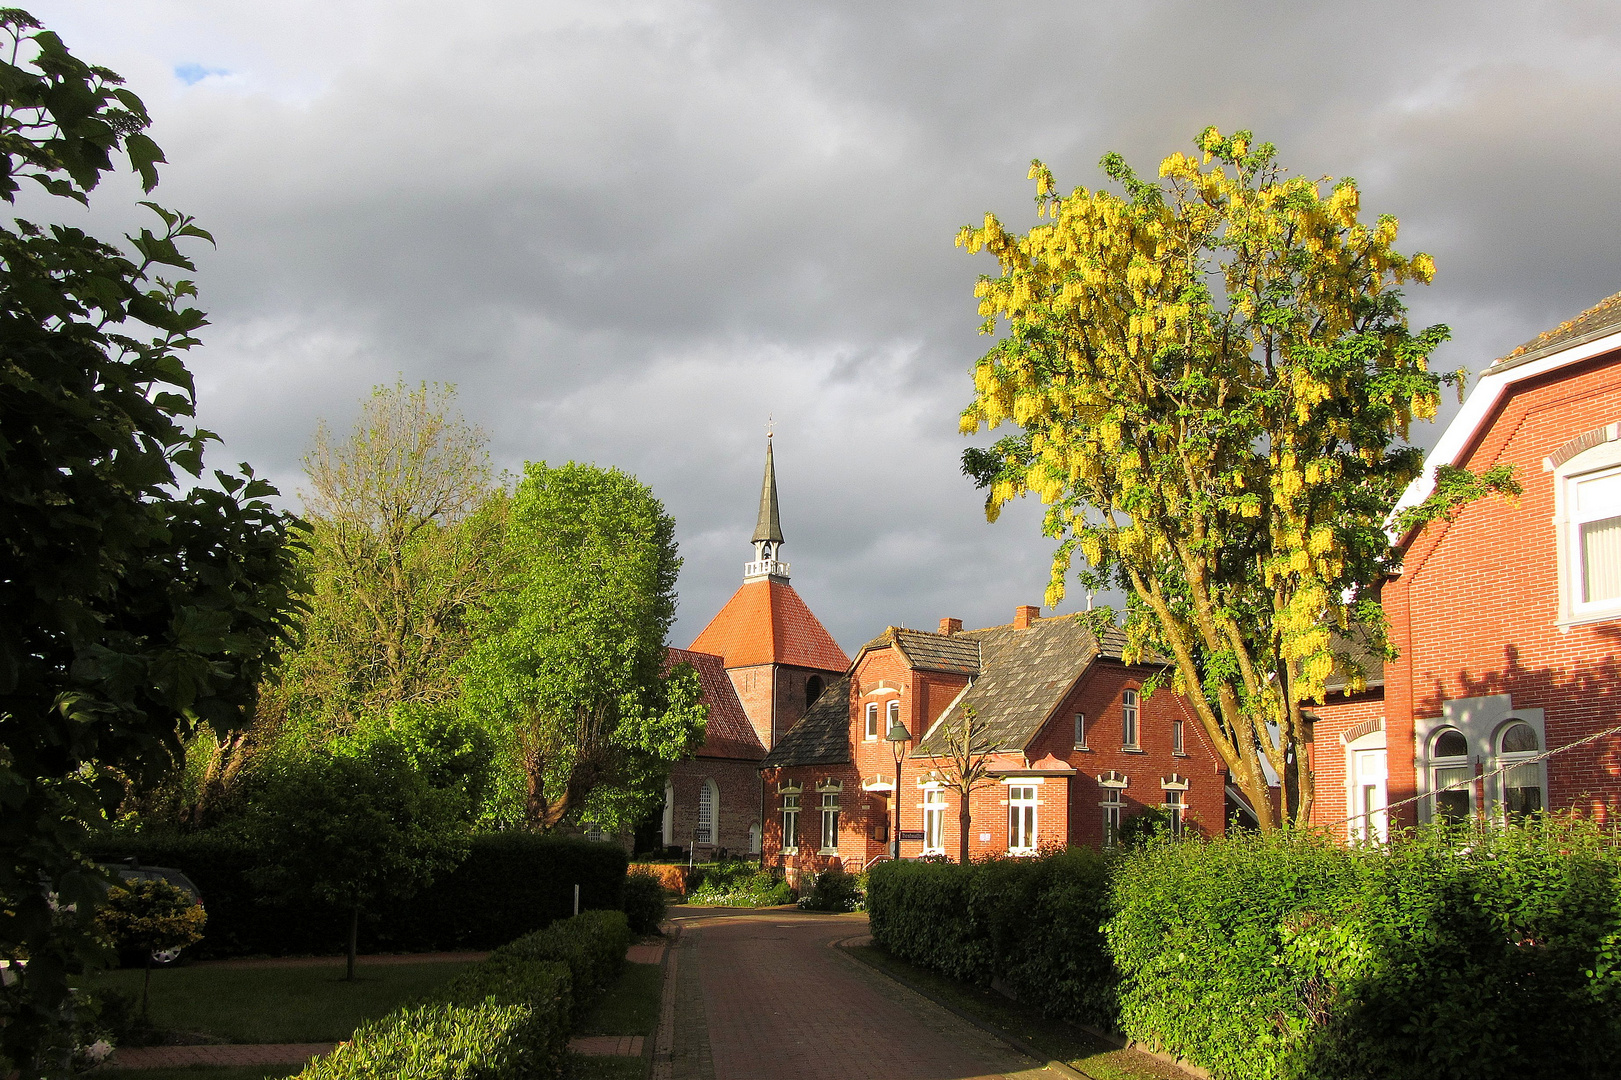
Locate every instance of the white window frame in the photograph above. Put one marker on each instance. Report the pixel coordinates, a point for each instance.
(790, 823)
(1179, 744)
(1483, 721)
(1080, 732)
(1130, 721)
(1592, 464)
(1024, 821)
(1367, 794)
(871, 731)
(1450, 763)
(830, 823)
(934, 820)
(709, 793)
(892, 715)
(1114, 809)
(1515, 759)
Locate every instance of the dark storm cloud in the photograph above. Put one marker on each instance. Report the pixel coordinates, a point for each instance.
(631, 232)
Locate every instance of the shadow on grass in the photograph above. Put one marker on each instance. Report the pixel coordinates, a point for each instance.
(631, 1006)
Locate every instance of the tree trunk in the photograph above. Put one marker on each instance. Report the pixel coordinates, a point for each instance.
(964, 821)
(354, 933)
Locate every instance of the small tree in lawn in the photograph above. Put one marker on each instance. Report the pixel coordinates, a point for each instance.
(149, 917)
(967, 749)
(354, 829)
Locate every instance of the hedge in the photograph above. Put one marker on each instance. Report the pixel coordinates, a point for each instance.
(1447, 954)
(505, 1018)
(1033, 925)
(509, 884)
(592, 944)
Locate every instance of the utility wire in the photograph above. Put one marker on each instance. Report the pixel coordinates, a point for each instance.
(1460, 785)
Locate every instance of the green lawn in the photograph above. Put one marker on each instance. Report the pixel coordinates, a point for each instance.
(275, 1004)
(630, 1008)
(1062, 1042)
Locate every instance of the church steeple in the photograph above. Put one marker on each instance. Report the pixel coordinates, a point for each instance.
(767, 538)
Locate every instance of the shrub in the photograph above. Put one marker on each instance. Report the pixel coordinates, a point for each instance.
(833, 890)
(1033, 923)
(1443, 955)
(645, 902)
(508, 885)
(592, 944)
(506, 1018)
(142, 918)
(740, 884)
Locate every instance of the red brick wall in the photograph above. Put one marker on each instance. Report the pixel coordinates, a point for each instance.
(754, 689)
(739, 790)
(1474, 611)
(1327, 753)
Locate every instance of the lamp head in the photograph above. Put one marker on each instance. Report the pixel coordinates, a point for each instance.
(898, 733)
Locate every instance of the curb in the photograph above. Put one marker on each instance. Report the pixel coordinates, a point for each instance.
(1060, 1067)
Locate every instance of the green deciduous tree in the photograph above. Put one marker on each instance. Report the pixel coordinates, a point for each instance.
(352, 829)
(131, 608)
(406, 544)
(147, 917)
(1214, 378)
(570, 664)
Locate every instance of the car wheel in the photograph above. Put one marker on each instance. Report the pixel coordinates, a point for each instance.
(165, 957)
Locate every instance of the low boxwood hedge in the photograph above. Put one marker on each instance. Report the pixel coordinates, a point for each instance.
(505, 1018)
(510, 884)
(592, 945)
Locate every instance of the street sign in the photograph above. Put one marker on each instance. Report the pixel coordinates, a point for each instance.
(908, 834)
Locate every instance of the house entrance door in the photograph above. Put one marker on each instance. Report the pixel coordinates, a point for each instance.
(1368, 791)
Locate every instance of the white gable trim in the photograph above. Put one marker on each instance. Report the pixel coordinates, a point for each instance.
(1482, 402)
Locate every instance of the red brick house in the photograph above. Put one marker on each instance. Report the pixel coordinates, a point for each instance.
(1508, 617)
(1078, 748)
(762, 661)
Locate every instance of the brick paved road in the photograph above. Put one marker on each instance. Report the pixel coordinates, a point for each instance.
(762, 996)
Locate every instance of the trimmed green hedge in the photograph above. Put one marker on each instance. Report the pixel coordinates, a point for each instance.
(510, 884)
(1032, 924)
(592, 944)
(1482, 954)
(1486, 954)
(505, 1018)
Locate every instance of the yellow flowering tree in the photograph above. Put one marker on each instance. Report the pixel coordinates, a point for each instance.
(1213, 380)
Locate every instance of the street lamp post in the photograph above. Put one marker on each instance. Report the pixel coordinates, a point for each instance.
(897, 737)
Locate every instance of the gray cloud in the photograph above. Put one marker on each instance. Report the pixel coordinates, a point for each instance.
(629, 232)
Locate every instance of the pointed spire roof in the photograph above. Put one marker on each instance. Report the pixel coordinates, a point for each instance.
(766, 622)
(769, 525)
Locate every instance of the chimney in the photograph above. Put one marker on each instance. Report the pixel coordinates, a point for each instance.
(950, 626)
(1024, 615)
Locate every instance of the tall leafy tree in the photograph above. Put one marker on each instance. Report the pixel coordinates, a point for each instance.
(133, 607)
(570, 663)
(1214, 379)
(406, 545)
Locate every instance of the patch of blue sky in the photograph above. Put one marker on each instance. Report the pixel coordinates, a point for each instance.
(192, 74)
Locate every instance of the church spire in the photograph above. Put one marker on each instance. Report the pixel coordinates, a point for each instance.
(767, 538)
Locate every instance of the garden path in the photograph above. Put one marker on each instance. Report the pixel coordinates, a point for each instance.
(766, 994)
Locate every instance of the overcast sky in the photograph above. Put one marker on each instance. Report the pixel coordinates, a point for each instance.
(630, 232)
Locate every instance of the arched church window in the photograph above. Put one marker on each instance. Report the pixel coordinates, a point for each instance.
(708, 805)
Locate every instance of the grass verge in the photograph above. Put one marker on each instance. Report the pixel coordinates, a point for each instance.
(586, 1067)
(1076, 1047)
(631, 1006)
(275, 1004)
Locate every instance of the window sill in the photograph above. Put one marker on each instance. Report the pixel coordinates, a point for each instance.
(1180, 753)
(1132, 750)
(1088, 749)
(828, 851)
(1566, 621)
(790, 851)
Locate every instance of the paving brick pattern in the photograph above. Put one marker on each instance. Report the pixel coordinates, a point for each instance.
(765, 995)
(607, 1045)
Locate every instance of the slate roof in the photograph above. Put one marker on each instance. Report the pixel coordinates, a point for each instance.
(955, 653)
(728, 733)
(822, 736)
(1023, 676)
(1603, 317)
(765, 622)
(1356, 645)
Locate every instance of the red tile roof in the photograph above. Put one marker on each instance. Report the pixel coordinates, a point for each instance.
(765, 622)
(729, 733)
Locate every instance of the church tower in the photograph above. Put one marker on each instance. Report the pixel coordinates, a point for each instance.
(778, 655)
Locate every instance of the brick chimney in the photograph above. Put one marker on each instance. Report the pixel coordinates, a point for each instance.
(950, 626)
(1024, 615)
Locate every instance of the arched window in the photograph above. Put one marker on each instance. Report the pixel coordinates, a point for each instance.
(1454, 795)
(813, 690)
(1522, 777)
(708, 813)
(754, 838)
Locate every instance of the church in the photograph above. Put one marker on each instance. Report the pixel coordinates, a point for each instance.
(762, 661)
